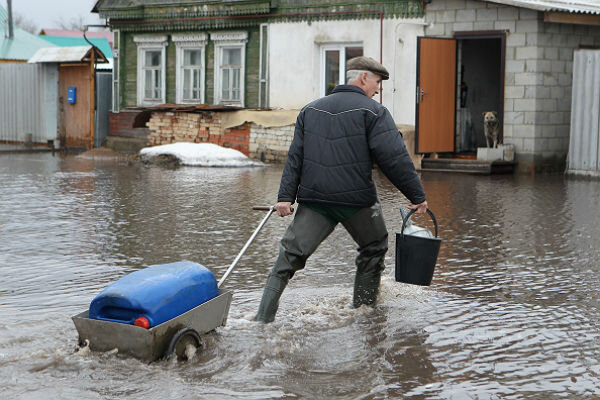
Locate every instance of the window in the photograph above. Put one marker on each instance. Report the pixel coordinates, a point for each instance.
(190, 67)
(230, 53)
(333, 64)
(152, 72)
(231, 66)
(151, 69)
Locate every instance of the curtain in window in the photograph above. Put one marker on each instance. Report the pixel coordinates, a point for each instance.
(231, 64)
(192, 63)
(152, 75)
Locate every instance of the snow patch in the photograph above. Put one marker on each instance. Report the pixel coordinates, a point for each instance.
(199, 155)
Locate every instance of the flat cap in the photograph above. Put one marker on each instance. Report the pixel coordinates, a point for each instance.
(367, 64)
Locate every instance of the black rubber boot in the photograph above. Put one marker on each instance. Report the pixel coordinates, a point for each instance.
(270, 299)
(366, 287)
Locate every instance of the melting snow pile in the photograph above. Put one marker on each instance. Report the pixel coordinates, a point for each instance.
(198, 155)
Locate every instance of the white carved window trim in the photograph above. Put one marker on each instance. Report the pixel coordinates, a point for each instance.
(196, 41)
(150, 43)
(228, 40)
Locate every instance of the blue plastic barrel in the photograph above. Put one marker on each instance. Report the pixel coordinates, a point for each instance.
(158, 293)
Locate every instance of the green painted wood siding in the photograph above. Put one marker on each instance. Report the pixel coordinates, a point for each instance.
(160, 12)
(128, 60)
(252, 64)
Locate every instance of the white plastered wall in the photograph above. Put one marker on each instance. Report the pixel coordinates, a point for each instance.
(294, 54)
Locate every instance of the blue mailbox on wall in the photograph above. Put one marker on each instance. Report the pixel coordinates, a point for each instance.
(72, 95)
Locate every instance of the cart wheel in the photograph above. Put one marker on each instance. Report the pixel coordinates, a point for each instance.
(181, 341)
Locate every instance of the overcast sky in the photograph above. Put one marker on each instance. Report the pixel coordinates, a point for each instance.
(48, 13)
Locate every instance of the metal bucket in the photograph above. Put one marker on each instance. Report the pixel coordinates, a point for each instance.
(416, 256)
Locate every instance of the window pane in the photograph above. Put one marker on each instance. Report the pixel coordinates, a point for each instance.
(332, 70)
(225, 84)
(157, 94)
(352, 52)
(225, 57)
(196, 79)
(152, 58)
(235, 86)
(186, 84)
(148, 84)
(192, 57)
(232, 56)
(235, 56)
(236, 79)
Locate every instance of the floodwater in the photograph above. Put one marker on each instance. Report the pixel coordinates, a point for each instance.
(512, 312)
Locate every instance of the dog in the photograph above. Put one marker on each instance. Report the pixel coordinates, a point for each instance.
(491, 127)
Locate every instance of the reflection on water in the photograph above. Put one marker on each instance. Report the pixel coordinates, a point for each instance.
(512, 311)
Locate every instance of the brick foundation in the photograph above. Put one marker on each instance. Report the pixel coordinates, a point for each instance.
(122, 125)
(267, 144)
(201, 127)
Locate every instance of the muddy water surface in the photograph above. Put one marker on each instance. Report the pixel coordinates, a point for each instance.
(512, 313)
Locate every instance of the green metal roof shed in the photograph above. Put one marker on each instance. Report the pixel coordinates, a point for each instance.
(22, 46)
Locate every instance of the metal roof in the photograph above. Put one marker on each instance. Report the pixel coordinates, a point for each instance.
(22, 46)
(568, 6)
(63, 41)
(71, 33)
(64, 54)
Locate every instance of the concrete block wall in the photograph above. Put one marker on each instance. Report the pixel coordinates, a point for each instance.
(538, 72)
(556, 44)
(270, 144)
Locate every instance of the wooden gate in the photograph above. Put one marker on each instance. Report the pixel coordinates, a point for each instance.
(75, 121)
(436, 95)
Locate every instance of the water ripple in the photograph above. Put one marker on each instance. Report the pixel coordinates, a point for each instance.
(512, 313)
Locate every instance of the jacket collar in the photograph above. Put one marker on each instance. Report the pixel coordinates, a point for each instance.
(348, 88)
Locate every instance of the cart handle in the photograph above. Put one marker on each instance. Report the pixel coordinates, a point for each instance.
(267, 208)
(270, 210)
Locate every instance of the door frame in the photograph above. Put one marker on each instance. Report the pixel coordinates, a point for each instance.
(460, 35)
(417, 87)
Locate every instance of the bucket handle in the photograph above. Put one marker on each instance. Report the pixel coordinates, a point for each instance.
(411, 212)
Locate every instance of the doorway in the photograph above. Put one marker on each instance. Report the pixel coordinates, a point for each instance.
(75, 115)
(480, 62)
(458, 79)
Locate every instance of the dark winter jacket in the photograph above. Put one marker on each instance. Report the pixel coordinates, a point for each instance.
(336, 141)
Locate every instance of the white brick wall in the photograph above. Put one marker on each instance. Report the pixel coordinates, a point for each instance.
(270, 144)
(538, 67)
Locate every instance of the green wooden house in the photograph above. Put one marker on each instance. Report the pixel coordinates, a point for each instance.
(218, 52)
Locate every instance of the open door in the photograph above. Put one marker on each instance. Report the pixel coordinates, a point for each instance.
(436, 95)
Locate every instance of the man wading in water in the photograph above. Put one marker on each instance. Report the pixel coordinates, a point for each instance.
(328, 170)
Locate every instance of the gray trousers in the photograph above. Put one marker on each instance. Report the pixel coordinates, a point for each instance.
(305, 234)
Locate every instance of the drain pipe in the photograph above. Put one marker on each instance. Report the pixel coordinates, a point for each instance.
(11, 34)
(85, 29)
(307, 14)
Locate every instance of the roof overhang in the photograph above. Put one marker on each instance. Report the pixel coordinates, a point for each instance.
(581, 12)
(564, 6)
(82, 54)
